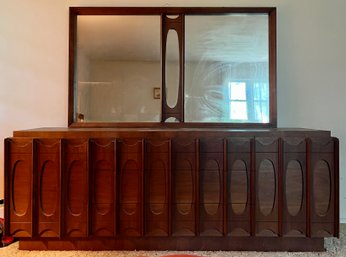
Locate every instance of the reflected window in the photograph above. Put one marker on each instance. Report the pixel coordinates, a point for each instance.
(248, 101)
(237, 101)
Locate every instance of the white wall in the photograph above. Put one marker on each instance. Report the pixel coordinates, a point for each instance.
(311, 63)
(127, 94)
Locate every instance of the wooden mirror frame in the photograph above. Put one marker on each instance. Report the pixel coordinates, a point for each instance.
(178, 110)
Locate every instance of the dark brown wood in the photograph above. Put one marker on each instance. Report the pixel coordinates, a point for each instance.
(103, 187)
(267, 167)
(180, 244)
(184, 187)
(47, 187)
(19, 162)
(238, 210)
(280, 187)
(71, 65)
(167, 132)
(294, 150)
(176, 25)
(336, 187)
(272, 69)
(308, 187)
(181, 189)
(253, 194)
(323, 188)
(75, 181)
(157, 181)
(211, 173)
(7, 180)
(130, 184)
(166, 10)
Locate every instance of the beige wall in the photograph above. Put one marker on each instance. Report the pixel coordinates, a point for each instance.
(127, 94)
(311, 64)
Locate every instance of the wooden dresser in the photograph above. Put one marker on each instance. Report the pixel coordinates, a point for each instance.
(181, 189)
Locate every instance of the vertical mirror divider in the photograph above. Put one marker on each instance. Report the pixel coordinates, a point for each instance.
(178, 25)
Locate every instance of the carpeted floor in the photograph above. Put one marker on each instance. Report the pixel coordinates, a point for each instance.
(334, 246)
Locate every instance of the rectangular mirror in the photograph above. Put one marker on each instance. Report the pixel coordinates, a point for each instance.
(118, 66)
(175, 67)
(227, 68)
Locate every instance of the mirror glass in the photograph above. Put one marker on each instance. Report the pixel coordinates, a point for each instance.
(227, 68)
(134, 66)
(117, 68)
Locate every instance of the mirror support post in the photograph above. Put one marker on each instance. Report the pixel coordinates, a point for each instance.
(177, 111)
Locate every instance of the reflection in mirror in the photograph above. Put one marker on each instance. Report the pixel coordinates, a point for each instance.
(227, 68)
(117, 67)
(172, 68)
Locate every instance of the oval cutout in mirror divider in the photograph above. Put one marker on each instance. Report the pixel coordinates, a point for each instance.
(172, 16)
(172, 120)
(172, 68)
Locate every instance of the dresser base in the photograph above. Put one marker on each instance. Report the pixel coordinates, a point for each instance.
(180, 244)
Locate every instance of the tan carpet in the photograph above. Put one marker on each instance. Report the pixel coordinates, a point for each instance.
(334, 246)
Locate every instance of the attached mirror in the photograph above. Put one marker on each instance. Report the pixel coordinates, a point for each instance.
(118, 66)
(227, 68)
(199, 66)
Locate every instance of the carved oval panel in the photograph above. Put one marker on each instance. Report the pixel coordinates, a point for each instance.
(211, 187)
(104, 186)
(294, 187)
(238, 188)
(20, 188)
(49, 188)
(130, 182)
(321, 187)
(172, 68)
(157, 188)
(75, 188)
(266, 185)
(184, 187)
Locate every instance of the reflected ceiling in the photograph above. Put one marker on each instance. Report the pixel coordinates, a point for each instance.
(129, 38)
